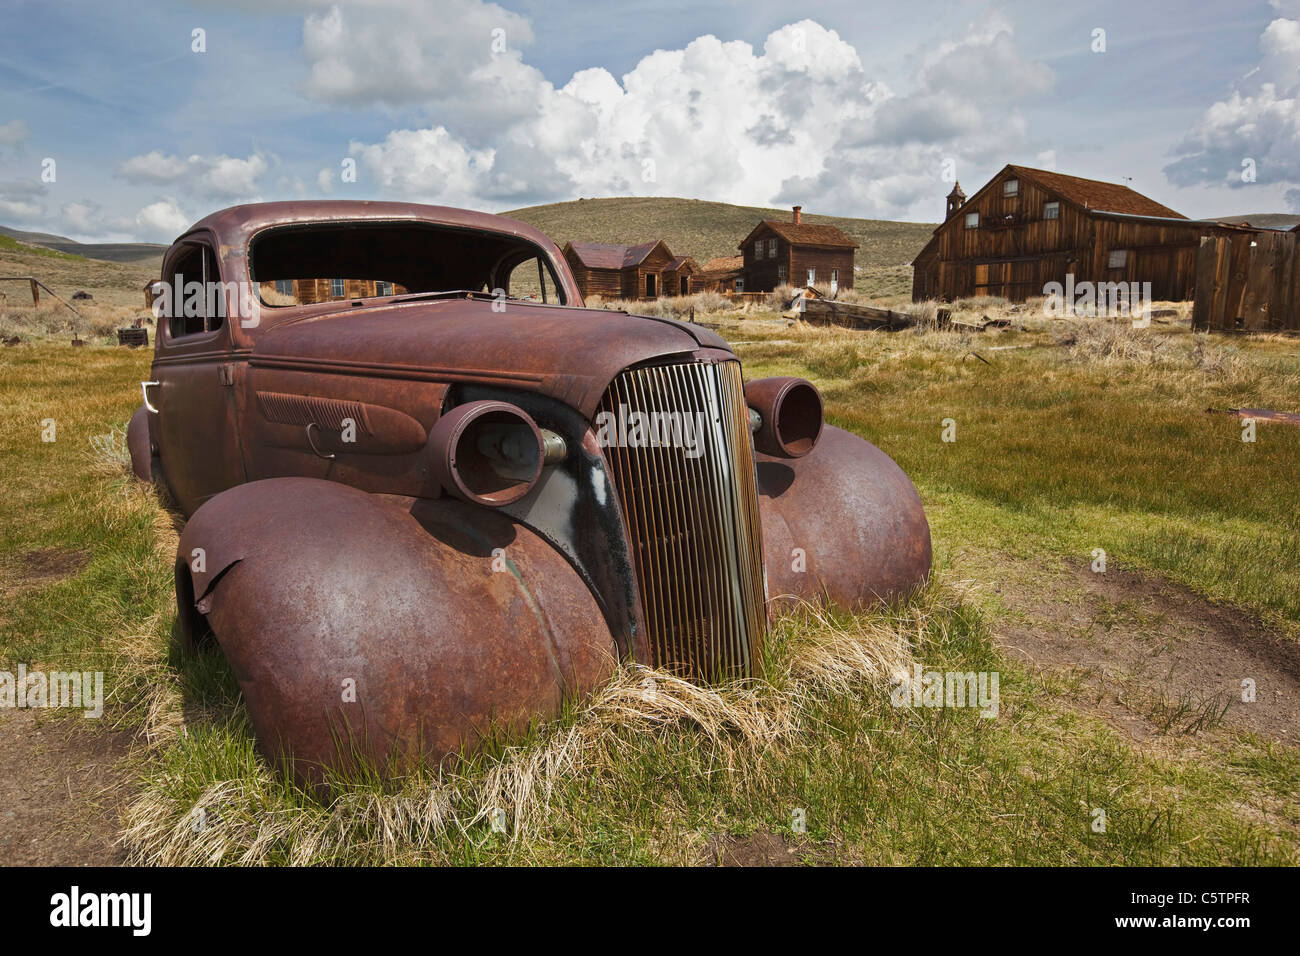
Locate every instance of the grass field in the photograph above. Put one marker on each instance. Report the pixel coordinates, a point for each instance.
(1070, 437)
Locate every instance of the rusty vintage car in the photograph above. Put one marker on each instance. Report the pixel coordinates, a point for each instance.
(430, 495)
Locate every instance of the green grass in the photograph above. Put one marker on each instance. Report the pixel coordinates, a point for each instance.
(704, 230)
(1058, 451)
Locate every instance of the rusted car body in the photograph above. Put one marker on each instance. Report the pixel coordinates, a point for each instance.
(434, 511)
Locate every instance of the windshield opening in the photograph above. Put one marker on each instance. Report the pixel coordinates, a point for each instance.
(344, 261)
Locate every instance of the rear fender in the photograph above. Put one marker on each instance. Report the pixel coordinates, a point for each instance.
(403, 627)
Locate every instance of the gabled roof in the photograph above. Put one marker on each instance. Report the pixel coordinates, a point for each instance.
(607, 255)
(725, 264)
(1093, 194)
(678, 262)
(805, 234)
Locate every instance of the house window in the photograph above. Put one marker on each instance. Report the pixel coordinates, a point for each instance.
(284, 286)
(1051, 210)
(812, 276)
(771, 248)
(1011, 187)
(780, 273)
(383, 288)
(740, 284)
(1118, 259)
(972, 220)
(758, 249)
(337, 288)
(835, 281)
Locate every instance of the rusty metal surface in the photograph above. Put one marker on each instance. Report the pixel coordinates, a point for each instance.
(329, 559)
(308, 585)
(791, 412)
(854, 515)
(140, 445)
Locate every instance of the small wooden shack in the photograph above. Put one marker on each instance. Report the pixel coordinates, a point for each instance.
(723, 274)
(797, 253)
(1028, 227)
(644, 271)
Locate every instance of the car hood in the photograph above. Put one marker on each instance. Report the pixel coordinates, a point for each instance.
(570, 354)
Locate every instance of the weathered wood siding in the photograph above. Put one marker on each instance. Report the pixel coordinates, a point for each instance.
(791, 263)
(1015, 251)
(1248, 283)
(634, 277)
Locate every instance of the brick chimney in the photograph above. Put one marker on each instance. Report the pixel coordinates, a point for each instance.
(798, 215)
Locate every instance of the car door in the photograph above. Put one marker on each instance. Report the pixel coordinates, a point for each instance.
(196, 428)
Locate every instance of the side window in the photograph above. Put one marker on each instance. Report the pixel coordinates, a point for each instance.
(337, 288)
(972, 220)
(529, 281)
(758, 249)
(196, 297)
(771, 248)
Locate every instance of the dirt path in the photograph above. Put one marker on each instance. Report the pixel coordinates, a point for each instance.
(61, 792)
(1151, 655)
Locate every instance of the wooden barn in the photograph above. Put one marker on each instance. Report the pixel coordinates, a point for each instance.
(723, 274)
(1028, 227)
(645, 271)
(797, 253)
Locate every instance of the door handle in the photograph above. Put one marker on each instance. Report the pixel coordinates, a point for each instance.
(144, 391)
(310, 426)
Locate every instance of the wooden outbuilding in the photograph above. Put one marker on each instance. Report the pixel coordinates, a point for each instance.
(1029, 227)
(723, 274)
(645, 271)
(797, 253)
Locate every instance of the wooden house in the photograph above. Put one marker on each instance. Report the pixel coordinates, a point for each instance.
(308, 291)
(1028, 227)
(797, 253)
(723, 274)
(645, 271)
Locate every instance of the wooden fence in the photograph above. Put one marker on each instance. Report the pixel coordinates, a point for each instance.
(1248, 283)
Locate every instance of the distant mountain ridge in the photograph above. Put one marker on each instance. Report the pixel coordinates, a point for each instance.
(125, 252)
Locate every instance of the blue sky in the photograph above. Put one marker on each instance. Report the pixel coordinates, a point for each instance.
(850, 108)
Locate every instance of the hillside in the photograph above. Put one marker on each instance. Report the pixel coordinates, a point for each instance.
(111, 283)
(125, 252)
(703, 230)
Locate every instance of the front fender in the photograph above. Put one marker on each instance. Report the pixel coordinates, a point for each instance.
(385, 628)
(843, 523)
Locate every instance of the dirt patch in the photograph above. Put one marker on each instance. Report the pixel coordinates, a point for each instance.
(61, 793)
(1154, 656)
(44, 566)
(758, 849)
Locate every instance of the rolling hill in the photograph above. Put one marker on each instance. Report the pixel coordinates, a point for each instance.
(701, 229)
(125, 252)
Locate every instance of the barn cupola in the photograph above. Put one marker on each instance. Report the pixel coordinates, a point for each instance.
(955, 199)
(797, 219)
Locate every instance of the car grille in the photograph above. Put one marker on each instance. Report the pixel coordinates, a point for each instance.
(693, 521)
